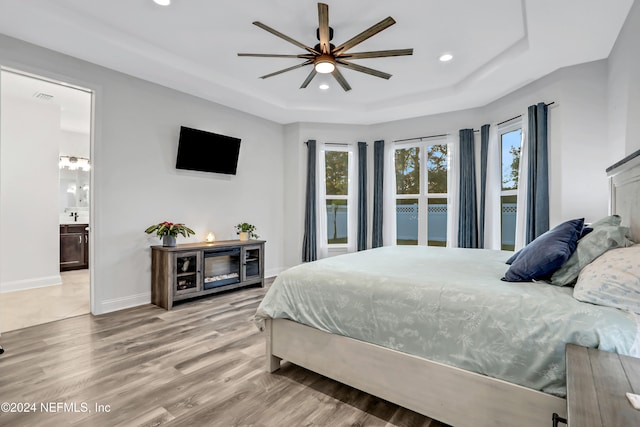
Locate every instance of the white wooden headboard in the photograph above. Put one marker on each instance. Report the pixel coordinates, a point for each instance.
(624, 192)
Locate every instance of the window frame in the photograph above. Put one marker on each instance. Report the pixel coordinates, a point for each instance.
(502, 130)
(424, 195)
(350, 197)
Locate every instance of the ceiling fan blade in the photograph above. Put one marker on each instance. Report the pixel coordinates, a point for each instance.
(375, 29)
(286, 69)
(284, 37)
(310, 77)
(323, 27)
(366, 70)
(340, 79)
(271, 55)
(377, 54)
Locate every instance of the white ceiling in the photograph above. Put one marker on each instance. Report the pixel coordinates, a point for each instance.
(191, 45)
(74, 104)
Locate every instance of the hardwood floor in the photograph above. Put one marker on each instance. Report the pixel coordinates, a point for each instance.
(201, 364)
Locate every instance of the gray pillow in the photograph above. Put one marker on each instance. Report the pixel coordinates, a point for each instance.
(613, 280)
(607, 220)
(590, 247)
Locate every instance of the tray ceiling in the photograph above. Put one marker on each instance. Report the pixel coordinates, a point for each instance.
(191, 46)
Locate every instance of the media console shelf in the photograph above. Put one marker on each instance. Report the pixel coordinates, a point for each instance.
(195, 269)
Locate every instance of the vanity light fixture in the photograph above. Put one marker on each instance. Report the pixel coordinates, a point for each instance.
(74, 163)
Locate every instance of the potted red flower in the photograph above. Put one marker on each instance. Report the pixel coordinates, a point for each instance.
(168, 231)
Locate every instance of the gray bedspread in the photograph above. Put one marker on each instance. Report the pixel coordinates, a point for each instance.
(450, 306)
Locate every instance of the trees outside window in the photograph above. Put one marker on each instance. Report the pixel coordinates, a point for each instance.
(337, 166)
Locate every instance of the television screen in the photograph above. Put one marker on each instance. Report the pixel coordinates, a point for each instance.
(199, 150)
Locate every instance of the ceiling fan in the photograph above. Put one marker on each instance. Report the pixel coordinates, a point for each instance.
(326, 57)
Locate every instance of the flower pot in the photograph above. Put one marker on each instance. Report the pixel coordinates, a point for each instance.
(169, 241)
(244, 235)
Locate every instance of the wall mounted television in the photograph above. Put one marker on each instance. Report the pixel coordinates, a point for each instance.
(203, 151)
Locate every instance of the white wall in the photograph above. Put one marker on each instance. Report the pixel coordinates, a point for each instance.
(624, 89)
(75, 143)
(29, 248)
(136, 184)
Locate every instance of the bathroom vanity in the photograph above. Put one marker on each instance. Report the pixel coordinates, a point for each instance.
(74, 246)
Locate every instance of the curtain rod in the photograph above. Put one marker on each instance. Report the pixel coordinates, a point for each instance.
(421, 137)
(343, 144)
(517, 117)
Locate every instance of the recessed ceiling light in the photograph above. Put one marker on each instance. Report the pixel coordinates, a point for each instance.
(446, 57)
(324, 86)
(163, 2)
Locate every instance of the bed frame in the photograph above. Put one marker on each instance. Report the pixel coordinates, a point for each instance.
(624, 192)
(448, 394)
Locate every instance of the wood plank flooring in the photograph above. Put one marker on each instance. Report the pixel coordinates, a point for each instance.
(201, 364)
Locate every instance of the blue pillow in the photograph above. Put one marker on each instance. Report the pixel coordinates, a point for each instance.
(585, 230)
(513, 257)
(540, 258)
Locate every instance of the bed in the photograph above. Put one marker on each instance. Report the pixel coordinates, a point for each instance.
(446, 373)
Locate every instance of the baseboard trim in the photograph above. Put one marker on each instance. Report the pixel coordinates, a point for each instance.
(273, 272)
(116, 304)
(22, 285)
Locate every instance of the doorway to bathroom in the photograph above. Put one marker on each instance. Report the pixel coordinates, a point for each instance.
(45, 199)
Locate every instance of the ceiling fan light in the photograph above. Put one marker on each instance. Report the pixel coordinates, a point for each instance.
(324, 64)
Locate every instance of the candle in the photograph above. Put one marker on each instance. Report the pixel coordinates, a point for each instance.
(211, 238)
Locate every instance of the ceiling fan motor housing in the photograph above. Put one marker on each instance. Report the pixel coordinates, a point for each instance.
(330, 34)
(318, 49)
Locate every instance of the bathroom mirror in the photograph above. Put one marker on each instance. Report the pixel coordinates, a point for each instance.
(74, 189)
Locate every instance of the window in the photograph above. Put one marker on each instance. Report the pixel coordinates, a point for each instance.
(421, 194)
(337, 166)
(510, 150)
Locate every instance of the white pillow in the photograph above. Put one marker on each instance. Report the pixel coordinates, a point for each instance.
(612, 280)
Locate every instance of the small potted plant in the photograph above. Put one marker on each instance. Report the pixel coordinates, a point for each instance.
(246, 231)
(168, 231)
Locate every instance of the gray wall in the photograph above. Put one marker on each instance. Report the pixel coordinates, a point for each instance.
(136, 184)
(594, 122)
(577, 129)
(624, 88)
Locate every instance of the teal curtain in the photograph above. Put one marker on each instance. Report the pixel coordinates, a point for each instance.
(362, 196)
(378, 177)
(537, 219)
(309, 242)
(484, 152)
(468, 211)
